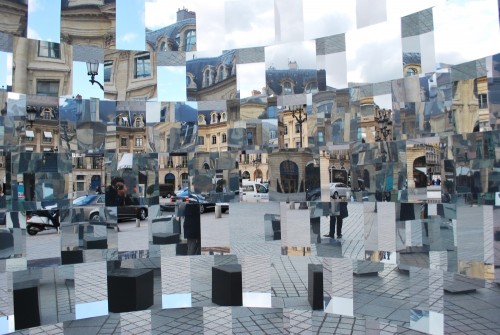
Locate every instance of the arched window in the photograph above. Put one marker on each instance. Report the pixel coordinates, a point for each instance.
(220, 74)
(163, 46)
(224, 138)
(312, 87)
(214, 118)
(190, 40)
(287, 88)
(206, 75)
(223, 118)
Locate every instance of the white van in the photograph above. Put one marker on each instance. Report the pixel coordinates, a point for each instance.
(254, 191)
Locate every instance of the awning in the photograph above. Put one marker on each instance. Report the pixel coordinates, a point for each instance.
(30, 133)
(47, 149)
(47, 134)
(29, 149)
(126, 161)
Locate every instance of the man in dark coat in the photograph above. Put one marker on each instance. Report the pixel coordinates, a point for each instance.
(336, 219)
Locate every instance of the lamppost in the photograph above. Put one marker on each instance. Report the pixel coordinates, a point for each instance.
(178, 169)
(383, 119)
(30, 115)
(300, 116)
(92, 71)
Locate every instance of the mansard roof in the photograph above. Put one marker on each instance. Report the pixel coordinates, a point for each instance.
(170, 31)
(299, 77)
(197, 65)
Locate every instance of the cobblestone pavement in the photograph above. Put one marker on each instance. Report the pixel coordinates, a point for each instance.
(391, 301)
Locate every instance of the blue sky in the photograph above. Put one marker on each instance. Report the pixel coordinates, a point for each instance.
(171, 83)
(130, 36)
(44, 20)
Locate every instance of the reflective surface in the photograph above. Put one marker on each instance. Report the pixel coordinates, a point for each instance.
(360, 137)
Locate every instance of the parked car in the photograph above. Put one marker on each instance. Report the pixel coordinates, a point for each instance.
(205, 205)
(339, 190)
(314, 194)
(253, 191)
(90, 205)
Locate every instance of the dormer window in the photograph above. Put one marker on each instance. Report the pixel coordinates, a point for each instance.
(287, 88)
(201, 119)
(214, 118)
(223, 117)
(206, 78)
(312, 87)
(138, 121)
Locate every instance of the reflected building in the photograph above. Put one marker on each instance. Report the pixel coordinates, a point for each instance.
(42, 67)
(89, 22)
(180, 36)
(212, 78)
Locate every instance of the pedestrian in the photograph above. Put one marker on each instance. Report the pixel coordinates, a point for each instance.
(337, 216)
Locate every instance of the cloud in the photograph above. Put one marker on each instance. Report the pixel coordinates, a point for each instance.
(304, 53)
(128, 37)
(466, 30)
(160, 13)
(33, 34)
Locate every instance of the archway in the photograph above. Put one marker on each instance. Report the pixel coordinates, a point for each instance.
(245, 175)
(420, 172)
(170, 180)
(258, 175)
(95, 181)
(289, 175)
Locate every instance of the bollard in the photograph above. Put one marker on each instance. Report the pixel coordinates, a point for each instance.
(137, 222)
(218, 211)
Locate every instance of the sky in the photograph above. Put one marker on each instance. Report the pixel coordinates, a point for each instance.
(288, 28)
(130, 36)
(44, 20)
(171, 83)
(5, 69)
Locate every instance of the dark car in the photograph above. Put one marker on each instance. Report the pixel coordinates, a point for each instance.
(314, 194)
(193, 198)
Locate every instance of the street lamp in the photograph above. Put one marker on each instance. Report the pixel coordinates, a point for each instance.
(92, 71)
(30, 115)
(300, 115)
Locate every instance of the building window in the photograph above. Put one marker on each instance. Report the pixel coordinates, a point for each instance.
(47, 87)
(320, 137)
(297, 128)
(138, 141)
(224, 138)
(163, 46)
(142, 65)
(123, 141)
(286, 130)
(287, 88)
(201, 140)
(483, 100)
(223, 118)
(206, 82)
(250, 138)
(108, 65)
(190, 40)
(49, 49)
(220, 74)
(214, 139)
(30, 135)
(312, 87)
(96, 163)
(47, 137)
(297, 144)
